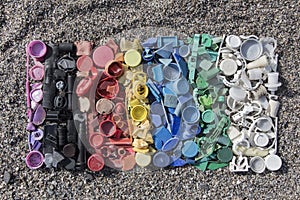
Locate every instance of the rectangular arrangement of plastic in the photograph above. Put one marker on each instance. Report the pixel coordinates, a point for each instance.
(206, 101)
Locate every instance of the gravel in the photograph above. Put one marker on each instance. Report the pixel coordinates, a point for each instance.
(66, 20)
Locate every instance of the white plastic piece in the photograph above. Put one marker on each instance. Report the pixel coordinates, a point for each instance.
(228, 66)
(273, 83)
(261, 139)
(273, 162)
(84, 104)
(257, 164)
(233, 41)
(237, 93)
(251, 49)
(264, 124)
(239, 164)
(255, 74)
(260, 62)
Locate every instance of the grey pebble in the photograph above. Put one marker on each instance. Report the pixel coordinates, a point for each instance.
(6, 177)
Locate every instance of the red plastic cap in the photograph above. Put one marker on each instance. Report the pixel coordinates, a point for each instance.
(84, 63)
(95, 162)
(103, 55)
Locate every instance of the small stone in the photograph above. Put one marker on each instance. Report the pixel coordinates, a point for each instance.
(7, 177)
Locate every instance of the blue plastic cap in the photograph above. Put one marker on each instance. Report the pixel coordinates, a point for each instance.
(150, 42)
(170, 144)
(156, 120)
(161, 159)
(190, 149)
(178, 163)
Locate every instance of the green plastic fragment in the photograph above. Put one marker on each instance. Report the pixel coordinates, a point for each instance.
(216, 165)
(189, 40)
(206, 101)
(213, 55)
(224, 140)
(225, 154)
(201, 83)
(207, 75)
(202, 50)
(202, 166)
(221, 99)
(214, 47)
(205, 64)
(217, 40)
(206, 40)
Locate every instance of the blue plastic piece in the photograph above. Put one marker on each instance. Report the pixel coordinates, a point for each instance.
(154, 90)
(167, 90)
(181, 63)
(150, 42)
(161, 159)
(175, 125)
(171, 110)
(161, 41)
(160, 137)
(190, 149)
(165, 51)
(179, 163)
(165, 61)
(170, 144)
(190, 161)
(158, 73)
(156, 120)
(148, 55)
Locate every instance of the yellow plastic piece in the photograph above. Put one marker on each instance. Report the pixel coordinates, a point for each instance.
(132, 58)
(134, 102)
(140, 143)
(149, 138)
(139, 113)
(143, 151)
(142, 160)
(140, 90)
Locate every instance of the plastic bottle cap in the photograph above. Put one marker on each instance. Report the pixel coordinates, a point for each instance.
(257, 164)
(69, 150)
(108, 88)
(170, 144)
(184, 51)
(36, 49)
(225, 154)
(102, 55)
(264, 124)
(237, 93)
(251, 49)
(273, 162)
(261, 139)
(36, 95)
(108, 128)
(96, 140)
(114, 68)
(37, 72)
(138, 113)
(190, 114)
(104, 106)
(132, 58)
(161, 159)
(171, 72)
(140, 90)
(84, 63)
(181, 86)
(34, 159)
(208, 116)
(142, 160)
(95, 162)
(190, 149)
(228, 66)
(233, 41)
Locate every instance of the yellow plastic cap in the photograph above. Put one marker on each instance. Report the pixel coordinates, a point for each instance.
(132, 58)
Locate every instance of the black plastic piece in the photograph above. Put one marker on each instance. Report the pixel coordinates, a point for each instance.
(49, 82)
(62, 136)
(50, 137)
(72, 132)
(70, 81)
(57, 116)
(81, 159)
(60, 102)
(67, 47)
